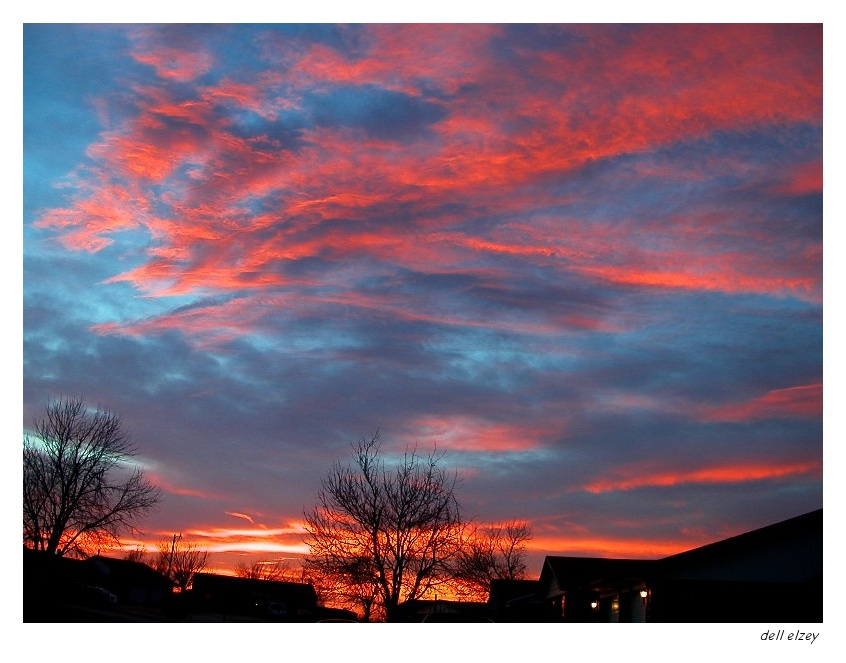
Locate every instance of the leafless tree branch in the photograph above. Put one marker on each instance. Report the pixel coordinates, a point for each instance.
(79, 487)
(180, 561)
(388, 534)
(493, 552)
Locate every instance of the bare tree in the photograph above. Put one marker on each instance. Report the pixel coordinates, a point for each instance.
(353, 588)
(180, 561)
(276, 569)
(137, 554)
(389, 533)
(80, 488)
(494, 552)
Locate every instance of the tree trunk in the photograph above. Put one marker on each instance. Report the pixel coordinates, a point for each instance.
(392, 612)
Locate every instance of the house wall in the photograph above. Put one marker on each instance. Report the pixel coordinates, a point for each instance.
(623, 606)
(678, 601)
(771, 574)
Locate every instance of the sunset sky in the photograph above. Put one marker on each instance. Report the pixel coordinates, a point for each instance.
(585, 261)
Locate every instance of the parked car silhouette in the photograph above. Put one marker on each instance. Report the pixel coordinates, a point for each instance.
(277, 609)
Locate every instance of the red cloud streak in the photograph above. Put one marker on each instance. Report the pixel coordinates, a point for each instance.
(737, 473)
(801, 401)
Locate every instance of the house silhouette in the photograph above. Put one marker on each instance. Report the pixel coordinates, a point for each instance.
(257, 599)
(60, 589)
(772, 573)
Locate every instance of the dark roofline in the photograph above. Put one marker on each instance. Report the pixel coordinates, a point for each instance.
(125, 569)
(119, 563)
(577, 559)
(583, 572)
(812, 521)
(215, 583)
(253, 582)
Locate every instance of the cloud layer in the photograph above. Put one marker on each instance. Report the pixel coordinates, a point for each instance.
(585, 261)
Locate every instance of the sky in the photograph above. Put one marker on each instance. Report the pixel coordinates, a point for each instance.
(584, 261)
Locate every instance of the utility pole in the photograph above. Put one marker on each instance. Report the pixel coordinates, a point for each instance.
(172, 552)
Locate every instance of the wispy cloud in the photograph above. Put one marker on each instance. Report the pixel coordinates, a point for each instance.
(738, 472)
(582, 260)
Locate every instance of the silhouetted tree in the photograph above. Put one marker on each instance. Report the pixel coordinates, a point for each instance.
(391, 532)
(352, 588)
(494, 552)
(267, 570)
(80, 489)
(179, 561)
(137, 554)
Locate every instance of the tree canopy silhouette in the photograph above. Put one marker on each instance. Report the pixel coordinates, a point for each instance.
(389, 532)
(80, 488)
(180, 561)
(268, 570)
(494, 551)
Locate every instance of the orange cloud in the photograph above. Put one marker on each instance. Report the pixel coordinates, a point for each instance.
(246, 534)
(623, 548)
(228, 544)
(738, 473)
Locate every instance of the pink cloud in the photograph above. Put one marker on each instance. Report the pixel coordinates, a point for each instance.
(235, 514)
(805, 179)
(179, 169)
(169, 485)
(478, 435)
(648, 477)
(399, 56)
(800, 401)
(711, 278)
(174, 63)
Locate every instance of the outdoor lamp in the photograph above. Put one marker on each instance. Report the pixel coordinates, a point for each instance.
(643, 593)
(593, 604)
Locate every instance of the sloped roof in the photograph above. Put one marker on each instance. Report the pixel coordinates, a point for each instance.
(788, 550)
(786, 529)
(125, 572)
(287, 591)
(565, 574)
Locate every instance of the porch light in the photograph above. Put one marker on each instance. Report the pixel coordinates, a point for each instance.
(643, 593)
(594, 604)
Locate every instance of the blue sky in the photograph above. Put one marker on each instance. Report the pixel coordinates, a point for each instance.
(585, 261)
